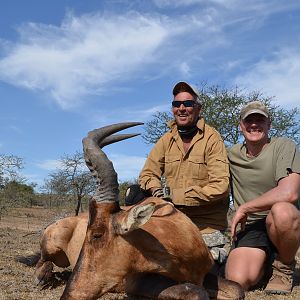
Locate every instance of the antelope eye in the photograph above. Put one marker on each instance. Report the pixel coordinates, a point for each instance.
(97, 235)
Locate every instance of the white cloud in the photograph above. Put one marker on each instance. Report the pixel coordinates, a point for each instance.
(81, 56)
(53, 164)
(49, 165)
(261, 6)
(231, 65)
(145, 114)
(185, 69)
(33, 178)
(176, 3)
(123, 114)
(93, 53)
(183, 3)
(127, 167)
(90, 54)
(278, 76)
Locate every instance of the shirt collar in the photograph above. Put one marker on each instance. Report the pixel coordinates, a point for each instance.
(200, 124)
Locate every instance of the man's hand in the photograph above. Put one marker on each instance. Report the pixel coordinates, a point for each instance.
(239, 217)
(157, 192)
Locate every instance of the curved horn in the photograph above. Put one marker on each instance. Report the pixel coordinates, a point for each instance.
(98, 163)
(116, 138)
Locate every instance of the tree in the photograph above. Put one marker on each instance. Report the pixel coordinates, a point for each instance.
(16, 193)
(71, 179)
(10, 165)
(221, 108)
(12, 190)
(155, 128)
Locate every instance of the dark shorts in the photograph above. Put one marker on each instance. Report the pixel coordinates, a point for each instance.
(255, 236)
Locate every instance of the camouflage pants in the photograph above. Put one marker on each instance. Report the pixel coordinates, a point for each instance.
(218, 244)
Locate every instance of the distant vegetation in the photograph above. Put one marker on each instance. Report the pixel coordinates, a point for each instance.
(71, 185)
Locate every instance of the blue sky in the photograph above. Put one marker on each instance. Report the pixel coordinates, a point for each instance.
(67, 67)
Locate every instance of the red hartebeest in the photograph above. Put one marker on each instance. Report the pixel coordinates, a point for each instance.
(151, 249)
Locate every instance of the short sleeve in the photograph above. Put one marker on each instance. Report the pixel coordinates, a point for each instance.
(288, 159)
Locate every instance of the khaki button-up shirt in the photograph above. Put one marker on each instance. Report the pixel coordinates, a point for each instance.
(198, 179)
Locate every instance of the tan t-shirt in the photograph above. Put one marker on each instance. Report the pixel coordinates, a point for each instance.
(254, 176)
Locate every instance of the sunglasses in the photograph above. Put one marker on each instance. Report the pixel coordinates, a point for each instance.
(186, 103)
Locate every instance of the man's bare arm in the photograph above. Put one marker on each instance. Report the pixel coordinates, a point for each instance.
(287, 190)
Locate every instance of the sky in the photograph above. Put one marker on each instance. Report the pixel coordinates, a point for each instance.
(67, 67)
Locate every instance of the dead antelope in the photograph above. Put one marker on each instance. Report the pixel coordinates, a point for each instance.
(150, 250)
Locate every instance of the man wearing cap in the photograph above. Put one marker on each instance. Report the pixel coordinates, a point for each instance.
(266, 188)
(192, 159)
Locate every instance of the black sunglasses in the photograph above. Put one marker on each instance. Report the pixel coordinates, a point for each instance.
(186, 103)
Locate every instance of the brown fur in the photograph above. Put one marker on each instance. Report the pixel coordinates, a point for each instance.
(60, 244)
(61, 241)
(151, 249)
(169, 246)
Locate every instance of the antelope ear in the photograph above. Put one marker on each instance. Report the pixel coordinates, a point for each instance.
(137, 216)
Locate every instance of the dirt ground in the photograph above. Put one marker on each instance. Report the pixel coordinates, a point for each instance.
(19, 236)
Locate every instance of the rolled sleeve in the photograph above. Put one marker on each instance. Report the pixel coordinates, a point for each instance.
(150, 176)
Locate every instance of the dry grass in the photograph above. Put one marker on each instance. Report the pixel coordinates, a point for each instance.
(17, 238)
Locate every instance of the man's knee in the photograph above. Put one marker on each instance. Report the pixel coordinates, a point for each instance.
(283, 215)
(236, 274)
(245, 266)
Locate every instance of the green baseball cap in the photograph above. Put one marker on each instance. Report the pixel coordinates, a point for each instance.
(254, 107)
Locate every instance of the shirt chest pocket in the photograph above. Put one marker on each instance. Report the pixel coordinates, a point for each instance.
(197, 167)
(172, 165)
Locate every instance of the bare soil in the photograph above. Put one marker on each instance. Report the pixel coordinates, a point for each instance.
(20, 230)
